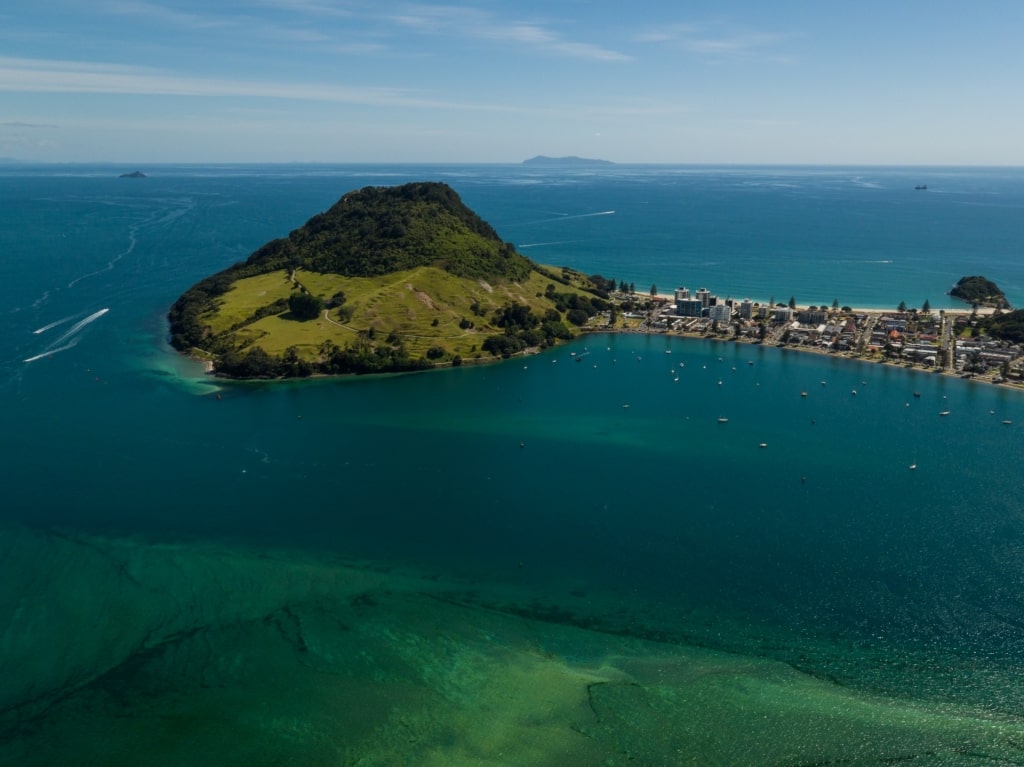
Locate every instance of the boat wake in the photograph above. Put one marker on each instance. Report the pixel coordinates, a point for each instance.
(54, 324)
(566, 217)
(112, 262)
(585, 215)
(545, 244)
(71, 333)
(81, 324)
(51, 352)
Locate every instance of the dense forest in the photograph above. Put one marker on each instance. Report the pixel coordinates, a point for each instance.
(979, 291)
(1006, 327)
(379, 230)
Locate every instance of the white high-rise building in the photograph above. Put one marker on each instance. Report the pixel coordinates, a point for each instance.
(720, 313)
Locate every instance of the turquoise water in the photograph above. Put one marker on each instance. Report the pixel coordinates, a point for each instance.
(548, 516)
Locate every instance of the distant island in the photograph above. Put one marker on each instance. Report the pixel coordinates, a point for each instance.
(544, 160)
(133, 174)
(979, 291)
(389, 279)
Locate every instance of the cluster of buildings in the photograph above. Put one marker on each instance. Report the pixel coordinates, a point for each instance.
(925, 338)
(703, 311)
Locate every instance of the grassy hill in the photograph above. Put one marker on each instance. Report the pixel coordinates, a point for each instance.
(388, 279)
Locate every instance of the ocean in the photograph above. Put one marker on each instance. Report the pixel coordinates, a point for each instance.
(562, 559)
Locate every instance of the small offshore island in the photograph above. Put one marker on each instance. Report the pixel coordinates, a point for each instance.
(395, 279)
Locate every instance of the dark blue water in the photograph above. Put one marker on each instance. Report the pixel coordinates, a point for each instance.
(611, 476)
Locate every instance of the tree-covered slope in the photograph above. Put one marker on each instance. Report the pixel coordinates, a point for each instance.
(379, 230)
(1007, 327)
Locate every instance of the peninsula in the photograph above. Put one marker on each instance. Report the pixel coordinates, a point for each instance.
(405, 278)
(388, 279)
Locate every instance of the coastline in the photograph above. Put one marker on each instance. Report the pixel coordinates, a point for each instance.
(871, 357)
(632, 325)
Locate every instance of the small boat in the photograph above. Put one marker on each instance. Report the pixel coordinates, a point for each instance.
(944, 412)
(763, 444)
(913, 466)
(917, 394)
(803, 394)
(750, 362)
(853, 392)
(1007, 422)
(668, 351)
(723, 420)
(921, 187)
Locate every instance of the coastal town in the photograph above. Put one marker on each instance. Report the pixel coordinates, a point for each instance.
(948, 341)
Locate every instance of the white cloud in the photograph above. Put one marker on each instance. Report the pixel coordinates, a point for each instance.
(471, 23)
(18, 124)
(711, 40)
(56, 76)
(162, 16)
(240, 25)
(308, 7)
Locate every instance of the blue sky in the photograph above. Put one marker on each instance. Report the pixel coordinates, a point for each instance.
(747, 81)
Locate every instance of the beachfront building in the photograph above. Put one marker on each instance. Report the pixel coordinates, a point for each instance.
(682, 293)
(746, 309)
(704, 296)
(720, 313)
(813, 316)
(783, 314)
(689, 307)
